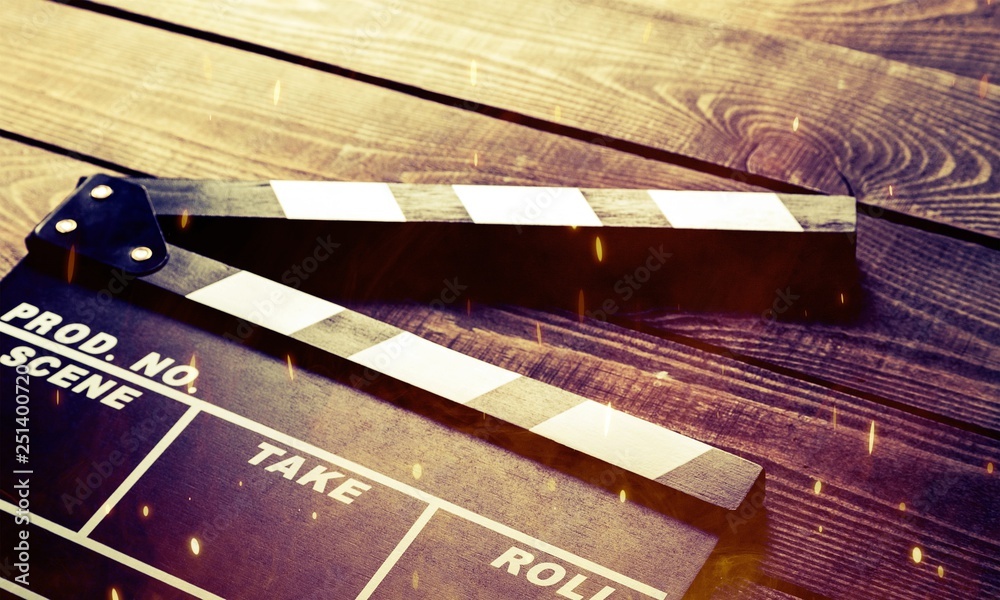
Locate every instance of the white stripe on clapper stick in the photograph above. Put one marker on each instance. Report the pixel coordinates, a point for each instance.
(140, 470)
(735, 211)
(337, 201)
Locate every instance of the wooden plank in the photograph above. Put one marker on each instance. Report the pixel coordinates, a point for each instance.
(796, 110)
(865, 547)
(927, 335)
(173, 106)
(961, 37)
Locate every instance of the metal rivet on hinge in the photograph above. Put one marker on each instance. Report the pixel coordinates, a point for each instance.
(100, 192)
(66, 226)
(141, 253)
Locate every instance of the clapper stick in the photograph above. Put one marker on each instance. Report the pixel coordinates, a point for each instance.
(525, 206)
(597, 430)
(599, 253)
(649, 451)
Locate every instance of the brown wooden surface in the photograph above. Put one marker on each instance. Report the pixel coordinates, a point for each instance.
(921, 360)
(962, 37)
(726, 95)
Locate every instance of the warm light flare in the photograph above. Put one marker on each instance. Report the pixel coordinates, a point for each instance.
(580, 305)
(57, 397)
(418, 471)
(989, 468)
(415, 580)
(291, 371)
(194, 365)
(917, 554)
(817, 487)
(145, 510)
(315, 516)
(984, 87)
(599, 248)
(475, 159)
(621, 496)
(114, 594)
(795, 123)
(871, 438)
(538, 332)
(185, 218)
(902, 506)
(195, 546)
(941, 571)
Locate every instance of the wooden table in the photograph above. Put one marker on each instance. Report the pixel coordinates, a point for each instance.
(879, 436)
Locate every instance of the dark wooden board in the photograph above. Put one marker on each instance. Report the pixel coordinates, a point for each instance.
(848, 127)
(926, 338)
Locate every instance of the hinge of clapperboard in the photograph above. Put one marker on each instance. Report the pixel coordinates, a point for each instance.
(113, 223)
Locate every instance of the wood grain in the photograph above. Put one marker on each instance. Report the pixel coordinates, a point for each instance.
(962, 37)
(927, 336)
(173, 106)
(32, 182)
(727, 96)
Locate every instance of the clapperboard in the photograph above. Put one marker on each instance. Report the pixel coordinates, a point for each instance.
(197, 414)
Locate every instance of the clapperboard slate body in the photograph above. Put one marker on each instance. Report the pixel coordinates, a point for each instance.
(191, 428)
